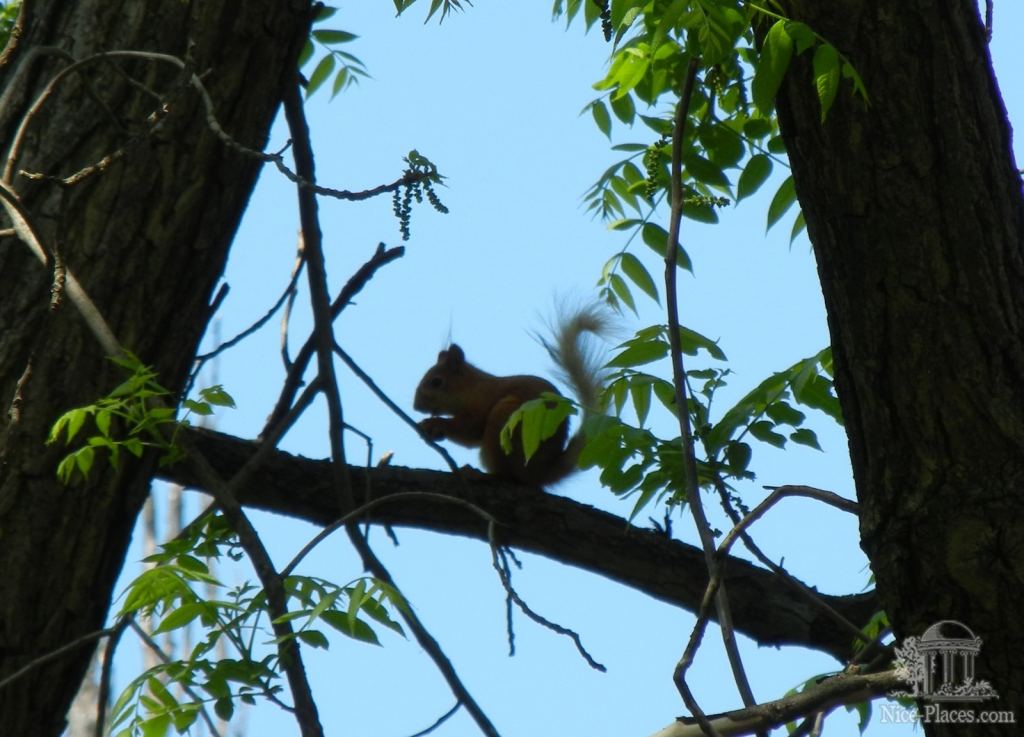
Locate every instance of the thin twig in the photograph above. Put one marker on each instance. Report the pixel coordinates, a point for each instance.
(441, 720)
(501, 566)
(393, 406)
(778, 494)
(202, 358)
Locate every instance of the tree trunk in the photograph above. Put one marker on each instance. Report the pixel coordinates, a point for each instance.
(913, 204)
(147, 237)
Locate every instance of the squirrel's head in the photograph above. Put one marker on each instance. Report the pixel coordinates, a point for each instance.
(437, 390)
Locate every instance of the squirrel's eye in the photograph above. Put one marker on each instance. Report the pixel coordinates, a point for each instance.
(435, 382)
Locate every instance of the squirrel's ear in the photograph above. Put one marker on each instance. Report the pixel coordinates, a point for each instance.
(453, 358)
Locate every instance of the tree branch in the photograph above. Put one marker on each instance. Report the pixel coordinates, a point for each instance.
(549, 525)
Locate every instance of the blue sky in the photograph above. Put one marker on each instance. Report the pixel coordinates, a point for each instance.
(493, 97)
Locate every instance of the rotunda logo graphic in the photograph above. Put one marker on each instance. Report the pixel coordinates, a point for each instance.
(939, 664)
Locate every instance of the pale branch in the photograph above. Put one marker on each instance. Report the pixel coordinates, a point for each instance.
(845, 688)
(541, 523)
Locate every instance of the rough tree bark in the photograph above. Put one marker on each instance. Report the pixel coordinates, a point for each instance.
(147, 237)
(913, 204)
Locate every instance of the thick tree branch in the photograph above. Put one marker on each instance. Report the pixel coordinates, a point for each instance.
(546, 524)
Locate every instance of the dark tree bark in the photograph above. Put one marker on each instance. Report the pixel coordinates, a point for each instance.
(147, 237)
(913, 204)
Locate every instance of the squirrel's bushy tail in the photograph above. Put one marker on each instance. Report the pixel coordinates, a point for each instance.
(580, 366)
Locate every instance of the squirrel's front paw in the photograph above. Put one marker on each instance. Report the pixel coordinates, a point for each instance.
(434, 428)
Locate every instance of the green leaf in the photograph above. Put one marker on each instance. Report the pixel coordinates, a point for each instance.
(776, 145)
(757, 128)
(826, 76)
(325, 12)
(765, 432)
(618, 285)
(156, 726)
(723, 145)
(802, 35)
(640, 352)
(784, 413)
(781, 202)
(704, 171)
(314, 638)
(771, 66)
(624, 109)
(690, 341)
(199, 408)
(757, 170)
(216, 396)
(333, 37)
(84, 459)
(320, 74)
(640, 391)
(601, 118)
(656, 237)
(76, 418)
(639, 275)
(357, 629)
(737, 455)
(799, 226)
(803, 436)
(180, 617)
(103, 422)
(340, 80)
(224, 708)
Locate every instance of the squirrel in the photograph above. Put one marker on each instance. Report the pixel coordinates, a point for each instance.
(470, 406)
